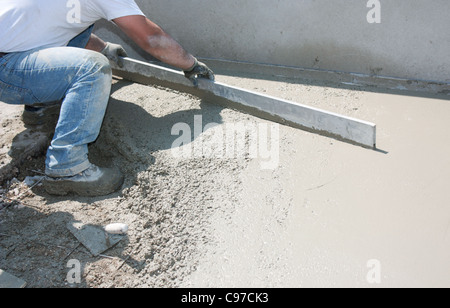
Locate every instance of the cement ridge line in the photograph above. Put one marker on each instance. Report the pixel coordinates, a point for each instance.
(327, 71)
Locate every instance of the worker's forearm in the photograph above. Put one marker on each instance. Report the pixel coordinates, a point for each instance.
(154, 40)
(95, 43)
(166, 49)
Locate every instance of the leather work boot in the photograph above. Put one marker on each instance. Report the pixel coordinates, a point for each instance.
(47, 115)
(93, 182)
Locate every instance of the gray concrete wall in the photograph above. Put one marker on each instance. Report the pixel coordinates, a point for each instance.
(411, 41)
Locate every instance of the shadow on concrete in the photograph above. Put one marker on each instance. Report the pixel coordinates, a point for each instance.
(131, 135)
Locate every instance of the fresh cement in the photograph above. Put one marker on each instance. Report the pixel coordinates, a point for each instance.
(323, 213)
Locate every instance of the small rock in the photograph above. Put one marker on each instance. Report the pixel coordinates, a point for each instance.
(117, 228)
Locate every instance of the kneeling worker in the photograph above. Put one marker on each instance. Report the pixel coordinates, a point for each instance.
(49, 54)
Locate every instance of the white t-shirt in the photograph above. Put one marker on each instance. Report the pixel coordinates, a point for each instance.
(29, 24)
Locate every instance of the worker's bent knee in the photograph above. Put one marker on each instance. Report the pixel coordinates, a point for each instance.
(97, 63)
(50, 72)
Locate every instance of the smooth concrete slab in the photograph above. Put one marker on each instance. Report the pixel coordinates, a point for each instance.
(268, 107)
(332, 215)
(8, 281)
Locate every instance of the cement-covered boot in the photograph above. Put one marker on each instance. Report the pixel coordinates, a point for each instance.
(93, 182)
(47, 115)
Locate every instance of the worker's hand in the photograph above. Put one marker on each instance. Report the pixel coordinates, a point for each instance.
(114, 53)
(199, 70)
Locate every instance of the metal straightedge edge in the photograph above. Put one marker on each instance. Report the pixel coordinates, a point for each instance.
(271, 108)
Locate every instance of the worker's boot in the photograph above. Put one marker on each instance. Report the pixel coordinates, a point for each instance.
(93, 182)
(46, 115)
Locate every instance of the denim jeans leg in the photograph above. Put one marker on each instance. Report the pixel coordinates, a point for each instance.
(81, 78)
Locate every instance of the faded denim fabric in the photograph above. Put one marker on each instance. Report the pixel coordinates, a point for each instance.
(80, 78)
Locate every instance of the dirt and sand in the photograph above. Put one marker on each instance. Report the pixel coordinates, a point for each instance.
(321, 217)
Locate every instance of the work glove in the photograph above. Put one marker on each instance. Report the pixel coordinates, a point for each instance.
(199, 70)
(114, 52)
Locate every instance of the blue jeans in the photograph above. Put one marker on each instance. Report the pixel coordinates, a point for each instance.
(80, 78)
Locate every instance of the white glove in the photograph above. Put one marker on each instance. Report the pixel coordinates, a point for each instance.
(114, 52)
